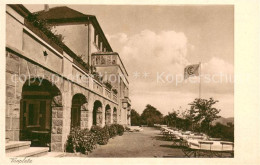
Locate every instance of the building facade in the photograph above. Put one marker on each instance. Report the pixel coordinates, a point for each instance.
(61, 72)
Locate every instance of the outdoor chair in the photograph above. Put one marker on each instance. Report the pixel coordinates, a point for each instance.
(198, 150)
(188, 152)
(162, 131)
(224, 151)
(205, 149)
(177, 142)
(167, 135)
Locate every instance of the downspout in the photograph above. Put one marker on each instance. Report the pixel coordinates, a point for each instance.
(89, 64)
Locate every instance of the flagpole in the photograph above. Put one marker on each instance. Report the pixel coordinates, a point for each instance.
(200, 80)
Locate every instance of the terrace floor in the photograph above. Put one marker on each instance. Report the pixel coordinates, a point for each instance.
(148, 143)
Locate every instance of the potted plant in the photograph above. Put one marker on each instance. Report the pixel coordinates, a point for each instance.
(108, 85)
(115, 91)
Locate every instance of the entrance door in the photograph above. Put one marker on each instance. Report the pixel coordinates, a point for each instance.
(36, 118)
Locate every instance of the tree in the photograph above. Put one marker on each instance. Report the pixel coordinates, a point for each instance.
(171, 118)
(135, 118)
(225, 132)
(203, 112)
(151, 116)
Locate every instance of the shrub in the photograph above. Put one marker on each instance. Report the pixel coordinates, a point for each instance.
(81, 141)
(102, 134)
(120, 129)
(108, 85)
(115, 91)
(105, 130)
(85, 141)
(112, 130)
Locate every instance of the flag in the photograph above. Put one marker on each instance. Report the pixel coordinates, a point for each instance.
(191, 70)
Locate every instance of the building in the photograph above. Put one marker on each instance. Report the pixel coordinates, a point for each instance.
(61, 72)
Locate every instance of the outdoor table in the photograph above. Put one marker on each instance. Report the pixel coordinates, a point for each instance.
(167, 133)
(180, 138)
(201, 147)
(163, 125)
(42, 137)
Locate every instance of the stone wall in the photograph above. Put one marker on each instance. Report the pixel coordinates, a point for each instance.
(13, 97)
(18, 70)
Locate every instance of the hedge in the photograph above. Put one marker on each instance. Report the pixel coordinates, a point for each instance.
(85, 140)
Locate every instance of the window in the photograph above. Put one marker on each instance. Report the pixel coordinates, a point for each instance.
(93, 60)
(36, 113)
(33, 115)
(97, 60)
(113, 59)
(109, 60)
(103, 60)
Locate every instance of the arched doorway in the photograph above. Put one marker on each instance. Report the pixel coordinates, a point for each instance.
(114, 115)
(107, 114)
(76, 107)
(97, 113)
(39, 98)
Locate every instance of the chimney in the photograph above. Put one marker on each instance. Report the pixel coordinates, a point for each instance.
(46, 7)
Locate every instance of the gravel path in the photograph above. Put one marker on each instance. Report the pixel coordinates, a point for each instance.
(137, 144)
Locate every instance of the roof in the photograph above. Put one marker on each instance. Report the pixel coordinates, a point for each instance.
(61, 12)
(64, 14)
(20, 9)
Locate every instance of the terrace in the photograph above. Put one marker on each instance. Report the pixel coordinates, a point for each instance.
(149, 142)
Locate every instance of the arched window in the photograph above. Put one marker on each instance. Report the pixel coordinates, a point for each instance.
(97, 113)
(107, 114)
(77, 101)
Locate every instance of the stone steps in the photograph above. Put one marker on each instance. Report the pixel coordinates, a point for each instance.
(54, 154)
(30, 152)
(12, 146)
(23, 149)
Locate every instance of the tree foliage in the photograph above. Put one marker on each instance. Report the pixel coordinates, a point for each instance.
(202, 112)
(225, 132)
(135, 118)
(171, 118)
(151, 116)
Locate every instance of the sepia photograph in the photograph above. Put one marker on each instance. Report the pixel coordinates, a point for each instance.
(120, 81)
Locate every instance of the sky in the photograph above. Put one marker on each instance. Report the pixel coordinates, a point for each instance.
(156, 43)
